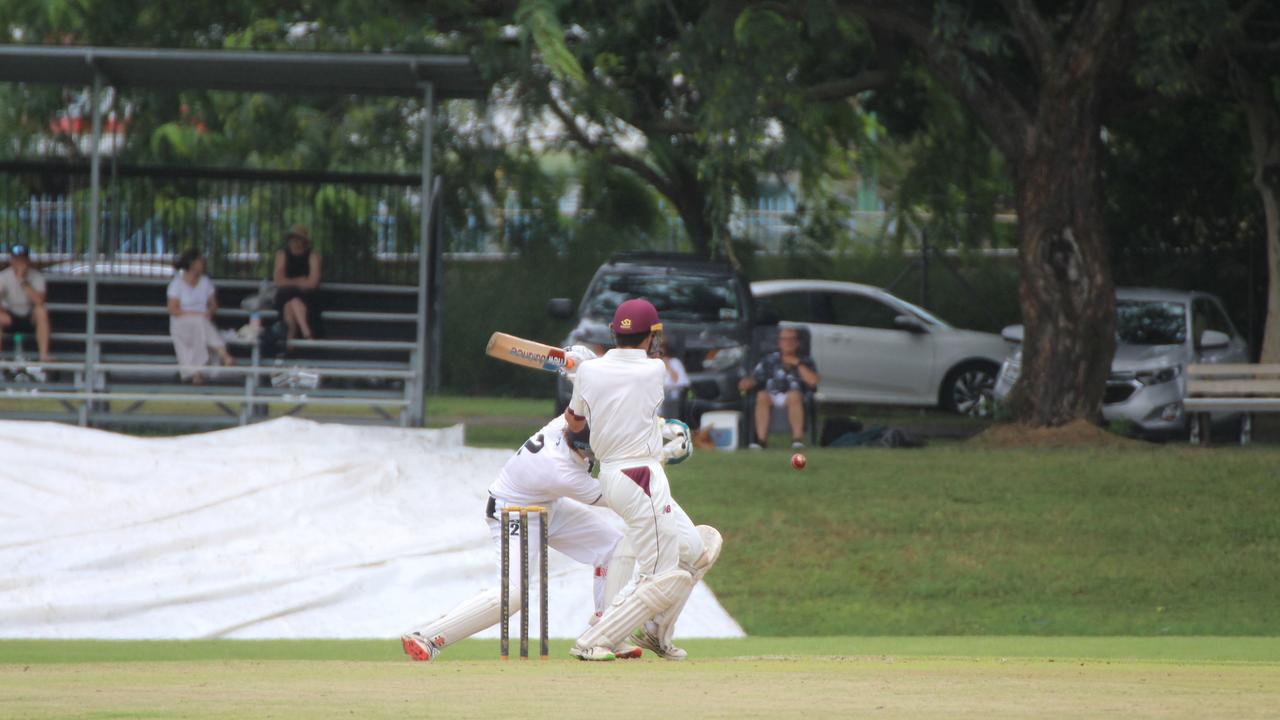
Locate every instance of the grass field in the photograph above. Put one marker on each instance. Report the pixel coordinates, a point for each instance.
(962, 540)
(753, 678)
(956, 580)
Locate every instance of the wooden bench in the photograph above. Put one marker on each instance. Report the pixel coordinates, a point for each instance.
(1246, 389)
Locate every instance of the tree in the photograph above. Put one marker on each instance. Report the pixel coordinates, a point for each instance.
(1181, 210)
(701, 99)
(1039, 83)
(1227, 50)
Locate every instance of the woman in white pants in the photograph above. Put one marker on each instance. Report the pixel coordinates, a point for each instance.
(192, 304)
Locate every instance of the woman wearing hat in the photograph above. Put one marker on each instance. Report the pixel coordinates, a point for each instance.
(296, 277)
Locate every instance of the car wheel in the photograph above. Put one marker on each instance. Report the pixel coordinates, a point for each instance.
(968, 388)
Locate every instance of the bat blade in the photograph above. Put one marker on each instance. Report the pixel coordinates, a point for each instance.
(527, 353)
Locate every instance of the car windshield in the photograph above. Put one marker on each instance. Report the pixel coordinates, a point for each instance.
(1150, 322)
(679, 297)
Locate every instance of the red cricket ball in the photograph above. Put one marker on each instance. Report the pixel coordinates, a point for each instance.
(798, 461)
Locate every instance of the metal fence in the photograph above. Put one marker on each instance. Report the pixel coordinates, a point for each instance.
(366, 225)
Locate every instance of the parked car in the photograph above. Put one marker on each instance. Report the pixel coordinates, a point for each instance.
(873, 347)
(706, 314)
(1158, 333)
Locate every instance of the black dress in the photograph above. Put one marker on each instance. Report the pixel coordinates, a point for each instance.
(296, 266)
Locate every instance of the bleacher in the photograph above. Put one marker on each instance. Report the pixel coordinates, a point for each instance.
(362, 369)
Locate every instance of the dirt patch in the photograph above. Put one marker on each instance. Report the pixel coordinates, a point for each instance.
(1079, 433)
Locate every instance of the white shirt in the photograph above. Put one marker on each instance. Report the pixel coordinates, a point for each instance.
(546, 468)
(191, 299)
(681, 381)
(12, 295)
(620, 395)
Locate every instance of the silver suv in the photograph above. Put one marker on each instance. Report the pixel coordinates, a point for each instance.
(1158, 333)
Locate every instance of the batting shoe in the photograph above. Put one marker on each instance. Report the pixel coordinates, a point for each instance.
(649, 641)
(627, 651)
(419, 648)
(592, 654)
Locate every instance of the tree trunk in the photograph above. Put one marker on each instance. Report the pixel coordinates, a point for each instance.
(690, 201)
(1264, 136)
(1065, 285)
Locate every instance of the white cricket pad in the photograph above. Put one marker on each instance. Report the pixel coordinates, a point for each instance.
(468, 618)
(622, 566)
(651, 596)
(712, 542)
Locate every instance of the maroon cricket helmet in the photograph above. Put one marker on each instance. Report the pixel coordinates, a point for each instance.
(636, 317)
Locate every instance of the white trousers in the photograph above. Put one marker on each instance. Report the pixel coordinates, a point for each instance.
(638, 492)
(193, 336)
(572, 528)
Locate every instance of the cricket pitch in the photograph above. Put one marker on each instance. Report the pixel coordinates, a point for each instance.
(231, 683)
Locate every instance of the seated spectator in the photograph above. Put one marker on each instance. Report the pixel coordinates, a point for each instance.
(22, 307)
(192, 303)
(296, 277)
(675, 381)
(784, 376)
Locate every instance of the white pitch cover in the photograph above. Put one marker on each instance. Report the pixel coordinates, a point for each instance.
(284, 529)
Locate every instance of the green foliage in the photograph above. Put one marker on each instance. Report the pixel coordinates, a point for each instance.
(716, 90)
(945, 177)
(1179, 210)
(538, 17)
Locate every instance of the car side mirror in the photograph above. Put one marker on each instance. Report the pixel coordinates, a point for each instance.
(560, 308)
(910, 324)
(1214, 340)
(1012, 333)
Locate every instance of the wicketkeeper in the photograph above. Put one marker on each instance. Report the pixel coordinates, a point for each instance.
(551, 469)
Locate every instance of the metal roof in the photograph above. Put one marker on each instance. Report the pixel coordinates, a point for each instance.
(454, 76)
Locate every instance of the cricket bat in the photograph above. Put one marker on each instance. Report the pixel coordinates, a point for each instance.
(528, 353)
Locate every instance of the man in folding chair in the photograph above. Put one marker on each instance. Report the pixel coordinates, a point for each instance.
(783, 377)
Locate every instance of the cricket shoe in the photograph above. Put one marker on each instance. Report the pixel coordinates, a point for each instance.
(627, 651)
(419, 648)
(592, 654)
(649, 641)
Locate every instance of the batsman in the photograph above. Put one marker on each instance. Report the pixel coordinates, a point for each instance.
(620, 395)
(553, 469)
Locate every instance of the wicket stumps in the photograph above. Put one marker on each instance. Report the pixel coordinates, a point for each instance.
(522, 528)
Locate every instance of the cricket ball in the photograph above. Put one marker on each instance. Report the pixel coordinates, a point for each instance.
(798, 461)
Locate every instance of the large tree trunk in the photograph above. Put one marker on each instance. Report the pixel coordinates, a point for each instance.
(1264, 137)
(1065, 285)
(690, 200)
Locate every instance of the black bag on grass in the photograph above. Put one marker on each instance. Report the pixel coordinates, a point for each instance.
(881, 436)
(834, 427)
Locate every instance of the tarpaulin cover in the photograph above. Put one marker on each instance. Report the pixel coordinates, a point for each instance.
(284, 529)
